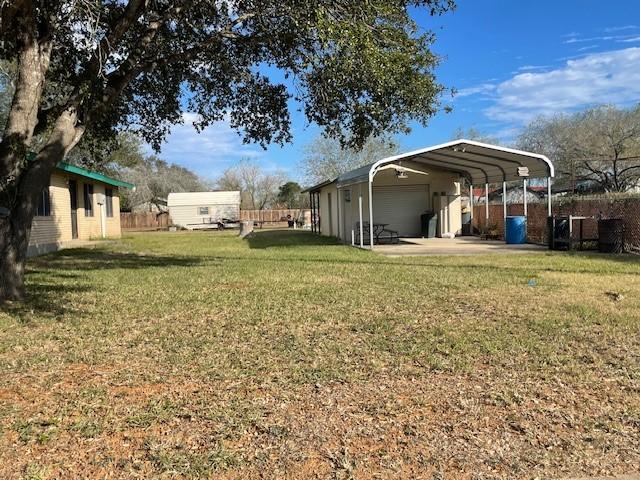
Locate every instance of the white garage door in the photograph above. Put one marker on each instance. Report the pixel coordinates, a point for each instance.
(401, 207)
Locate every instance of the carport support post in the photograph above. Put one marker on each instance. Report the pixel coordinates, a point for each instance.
(471, 200)
(311, 206)
(504, 200)
(486, 204)
(549, 196)
(524, 188)
(360, 212)
(370, 211)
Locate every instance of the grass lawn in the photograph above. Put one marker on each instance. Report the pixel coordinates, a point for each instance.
(172, 355)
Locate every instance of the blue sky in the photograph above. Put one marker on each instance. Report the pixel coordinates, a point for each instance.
(509, 60)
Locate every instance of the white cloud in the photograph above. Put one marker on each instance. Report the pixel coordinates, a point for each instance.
(527, 68)
(594, 39)
(209, 152)
(602, 38)
(475, 90)
(607, 77)
(632, 39)
(619, 29)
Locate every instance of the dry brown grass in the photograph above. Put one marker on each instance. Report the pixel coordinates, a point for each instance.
(199, 355)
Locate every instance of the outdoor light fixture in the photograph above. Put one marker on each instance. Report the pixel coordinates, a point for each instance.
(401, 174)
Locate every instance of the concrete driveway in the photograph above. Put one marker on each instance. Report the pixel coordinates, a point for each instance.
(454, 246)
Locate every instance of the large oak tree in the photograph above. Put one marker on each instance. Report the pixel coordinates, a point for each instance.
(88, 67)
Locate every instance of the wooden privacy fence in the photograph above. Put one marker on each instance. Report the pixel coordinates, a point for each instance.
(625, 208)
(144, 220)
(154, 221)
(271, 215)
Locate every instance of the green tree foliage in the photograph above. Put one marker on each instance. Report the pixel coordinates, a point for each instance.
(357, 68)
(154, 180)
(108, 156)
(597, 149)
(326, 158)
(289, 195)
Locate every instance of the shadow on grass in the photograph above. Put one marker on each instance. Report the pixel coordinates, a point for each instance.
(43, 300)
(52, 278)
(288, 238)
(94, 259)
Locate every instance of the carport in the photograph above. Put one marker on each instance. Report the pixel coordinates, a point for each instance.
(477, 163)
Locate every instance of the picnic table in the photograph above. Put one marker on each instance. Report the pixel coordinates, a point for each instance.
(379, 230)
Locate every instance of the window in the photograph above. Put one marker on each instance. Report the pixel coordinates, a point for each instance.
(44, 204)
(203, 210)
(108, 192)
(88, 200)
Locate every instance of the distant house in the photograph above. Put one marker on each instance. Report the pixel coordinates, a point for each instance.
(194, 210)
(78, 205)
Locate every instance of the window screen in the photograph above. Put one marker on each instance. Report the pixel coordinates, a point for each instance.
(203, 210)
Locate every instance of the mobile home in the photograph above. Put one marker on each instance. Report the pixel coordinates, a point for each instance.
(195, 210)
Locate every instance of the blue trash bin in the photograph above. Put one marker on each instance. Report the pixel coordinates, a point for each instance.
(515, 229)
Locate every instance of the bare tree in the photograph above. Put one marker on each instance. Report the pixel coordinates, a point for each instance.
(325, 158)
(598, 149)
(473, 133)
(229, 180)
(258, 189)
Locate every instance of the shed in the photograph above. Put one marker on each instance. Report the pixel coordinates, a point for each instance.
(195, 210)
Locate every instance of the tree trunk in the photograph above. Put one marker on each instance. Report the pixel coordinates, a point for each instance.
(14, 242)
(15, 221)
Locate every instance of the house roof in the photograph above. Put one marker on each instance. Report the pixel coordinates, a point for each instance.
(317, 187)
(83, 172)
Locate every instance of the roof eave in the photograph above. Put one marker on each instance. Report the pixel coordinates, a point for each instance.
(318, 187)
(83, 172)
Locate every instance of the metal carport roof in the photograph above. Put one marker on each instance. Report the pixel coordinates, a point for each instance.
(478, 162)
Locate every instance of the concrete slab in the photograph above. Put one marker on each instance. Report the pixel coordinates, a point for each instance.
(454, 246)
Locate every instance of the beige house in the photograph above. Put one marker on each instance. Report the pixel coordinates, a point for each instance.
(397, 195)
(78, 205)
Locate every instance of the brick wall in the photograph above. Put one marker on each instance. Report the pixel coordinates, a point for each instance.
(626, 208)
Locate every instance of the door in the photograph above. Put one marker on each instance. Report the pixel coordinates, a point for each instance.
(400, 207)
(73, 196)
